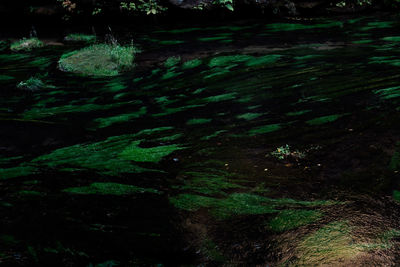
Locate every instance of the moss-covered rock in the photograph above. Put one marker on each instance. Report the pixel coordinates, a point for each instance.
(26, 44)
(99, 60)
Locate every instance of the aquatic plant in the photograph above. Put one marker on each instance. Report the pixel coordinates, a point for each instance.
(109, 189)
(32, 84)
(106, 122)
(239, 204)
(172, 62)
(26, 44)
(80, 37)
(284, 152)
(99, 60)
(290, 219)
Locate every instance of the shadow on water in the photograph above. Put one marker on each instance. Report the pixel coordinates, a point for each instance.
(247, 144)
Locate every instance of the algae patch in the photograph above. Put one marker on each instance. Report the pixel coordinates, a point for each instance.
(109, 189)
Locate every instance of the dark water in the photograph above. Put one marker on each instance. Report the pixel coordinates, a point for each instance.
(246, 144)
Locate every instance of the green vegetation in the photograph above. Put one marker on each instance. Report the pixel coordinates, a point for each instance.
(33, 84)
(191, 64)
(198, 121)
(284, 152)
(207, 183)
(172, 62)
(109, 189)
(106, 122)
(249, 116)
(388, 93)
(277, 27)
(265, 129)
(324, 119)
(99, 60)
(291, 219)
(112, 156)
(26, 44)
(239, 204)
(22, 170)
(150, 154)
(80, 37)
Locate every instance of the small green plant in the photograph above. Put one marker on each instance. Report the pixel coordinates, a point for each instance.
(32, 84)
(284, 152)
(80, 37)
(99, 60)
(26, 44)
(150, 7)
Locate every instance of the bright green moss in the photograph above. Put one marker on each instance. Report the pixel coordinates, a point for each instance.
(20, 171)
(291, 219)
(80, 37)
(191, 64)
(109, 189)
(103, 156)
(388, 93)
(99, 60)
(198, 121)
(26, 44)
(172, 62)
(391, 38)
(106, 122)
(324, 119)
(265, 129)
(151, 154)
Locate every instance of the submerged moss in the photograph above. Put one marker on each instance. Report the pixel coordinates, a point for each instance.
(109, 189)
(215, 134)
(249, 116)
(277, 27)
(99, 60)
(26, 44)
(14, 172)
(112, 156)
(172, 62)
(106, 122)
(265, 129)
(33, 84)
(290, 219)
(238, 204)
(198, 121)
(324, 119)
(80, 37)
(388, 93)
(6, 78)
(149, 154)
(191, 64)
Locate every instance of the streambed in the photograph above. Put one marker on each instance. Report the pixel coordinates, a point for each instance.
(249, 143)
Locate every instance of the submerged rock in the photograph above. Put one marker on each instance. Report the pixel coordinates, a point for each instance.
(99, 60)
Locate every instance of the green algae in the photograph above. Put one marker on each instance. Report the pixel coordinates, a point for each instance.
(169, 138)
(377, 25)
(103, 157)
(238, 204)
(106, 122)
(33, 84)
(220, 98)
(31, 193)
(215, 134)
(277, 27)
(328, 245)
(170, 111)
(100, 60)
(152, 131)
(171, 42)
(388, 93)
(363, 41)
(26, 44)
(265, 129)
(6, 78)
(391, 38)
(196, 121)
(170, 74)
(150, 154)
(249, 116)
(324, 119)
(19, 171)
(262, 60)
(291, 219)
(109, 189)
(43, 112)
(80, 37)
(191, 64)
(212, 38)
(298, 113)
(172, 62)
